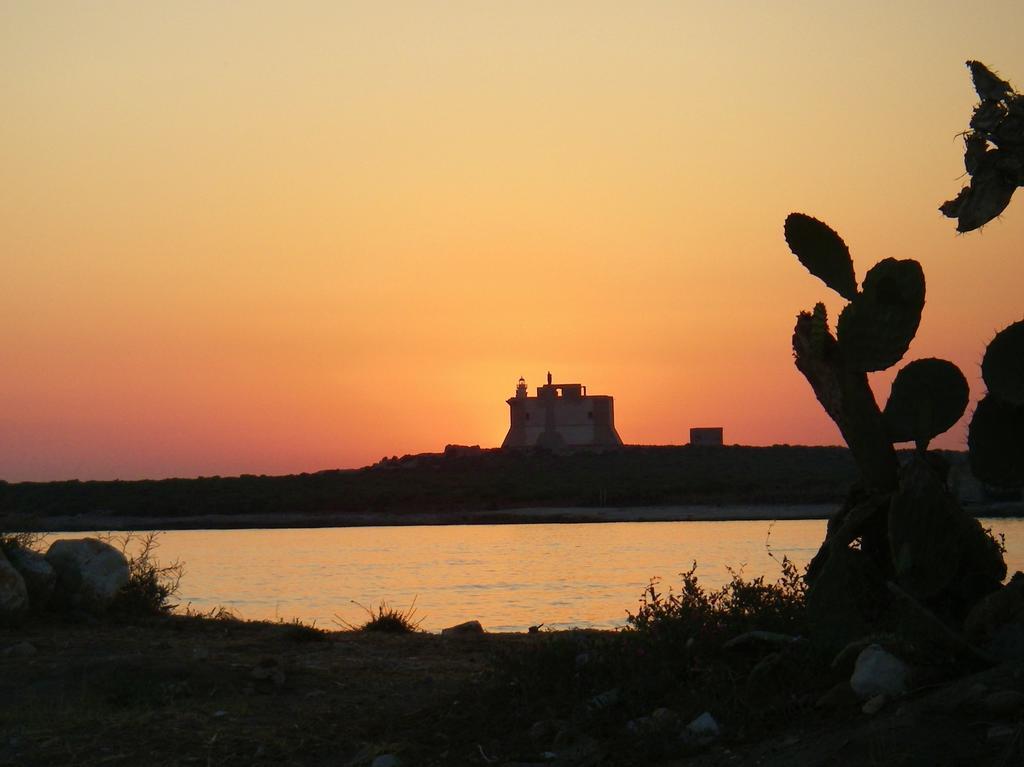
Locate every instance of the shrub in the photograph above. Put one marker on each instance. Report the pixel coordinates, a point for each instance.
(15, 533)
(386, 619)
(672, 654)
(150, 584)
(715, 616)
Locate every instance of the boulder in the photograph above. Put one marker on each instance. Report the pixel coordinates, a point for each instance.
(40, 577)
(13, 593)
(467, 628)
(89, 572)
(878, 672)
(996, 610)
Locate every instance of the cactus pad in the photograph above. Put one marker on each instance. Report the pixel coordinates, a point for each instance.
(823, 252)
(927, 398)
(1003, 365)
(996, 442)
(993, 152)
(876, 328)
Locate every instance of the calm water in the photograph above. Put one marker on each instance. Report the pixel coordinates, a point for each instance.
(506, 576)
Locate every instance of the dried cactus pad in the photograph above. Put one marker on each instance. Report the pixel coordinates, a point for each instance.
(995, 442)
(875, 329)
(823, 252)
(1003, 365)
(987, 84)
(993, 152)
(927, 398)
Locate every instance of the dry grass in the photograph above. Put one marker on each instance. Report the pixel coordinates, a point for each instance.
(385, 619)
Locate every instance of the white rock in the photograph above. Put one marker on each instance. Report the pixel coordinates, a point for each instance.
(878, 672)
(704, 727)
(89, 572)
(1001, 732)
(13, 593)
(39, 576)
(604, 700)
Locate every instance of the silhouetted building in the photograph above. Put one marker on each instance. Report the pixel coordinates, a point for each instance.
(561, 415)
(706, 435)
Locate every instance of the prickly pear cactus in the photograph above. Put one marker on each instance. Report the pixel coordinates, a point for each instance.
(995, 442)
(994, 158)
(874, 331)
(876, 328)
(1003, 364)
(823, 252)
(908, 527)
(996, 435)
(927, 398)
(993, 152)
(902, 524)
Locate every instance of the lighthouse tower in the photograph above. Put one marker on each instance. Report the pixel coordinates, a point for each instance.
(561, 415)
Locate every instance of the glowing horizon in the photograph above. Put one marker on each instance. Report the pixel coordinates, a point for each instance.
(270, 240)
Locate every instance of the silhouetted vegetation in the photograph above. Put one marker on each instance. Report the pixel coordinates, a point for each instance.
(386, 619)
(486, 479)
(901, 542)
(993, 152)
(151, 584)
(900, 523)
(996, 437)
(736, 651)
(712, 617)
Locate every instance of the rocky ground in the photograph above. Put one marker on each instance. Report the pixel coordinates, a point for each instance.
(217, 691)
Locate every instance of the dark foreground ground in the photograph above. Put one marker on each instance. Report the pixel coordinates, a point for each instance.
(185, 690)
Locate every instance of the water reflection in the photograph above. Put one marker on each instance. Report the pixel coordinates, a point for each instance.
(507, 576)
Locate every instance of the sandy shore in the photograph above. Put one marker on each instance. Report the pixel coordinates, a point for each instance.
(386, 519)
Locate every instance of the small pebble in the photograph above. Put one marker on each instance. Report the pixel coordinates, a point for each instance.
(21, 650)
(1001, 732)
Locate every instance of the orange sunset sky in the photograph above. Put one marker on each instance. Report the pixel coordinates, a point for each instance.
(278, 237)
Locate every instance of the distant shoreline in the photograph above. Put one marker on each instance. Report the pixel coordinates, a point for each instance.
(535, 515)
(467, 486)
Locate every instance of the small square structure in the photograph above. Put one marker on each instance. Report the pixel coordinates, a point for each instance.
(705, 436)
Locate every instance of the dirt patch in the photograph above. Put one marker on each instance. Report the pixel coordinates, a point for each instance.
(183, 690)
